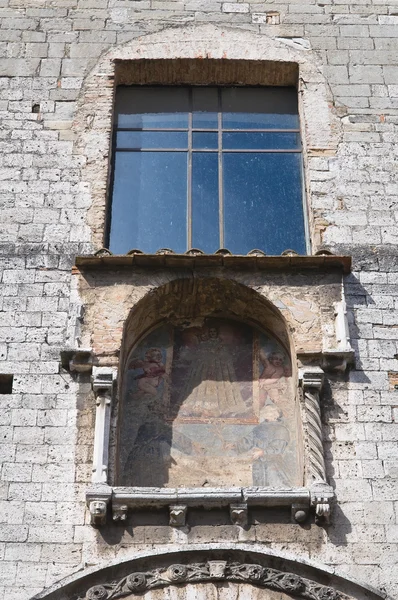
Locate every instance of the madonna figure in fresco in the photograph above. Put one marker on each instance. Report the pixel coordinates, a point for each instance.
(211, 386)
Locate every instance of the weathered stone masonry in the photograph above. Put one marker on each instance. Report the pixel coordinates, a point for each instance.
(54, 169)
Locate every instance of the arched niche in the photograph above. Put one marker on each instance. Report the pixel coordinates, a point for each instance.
(208, 395)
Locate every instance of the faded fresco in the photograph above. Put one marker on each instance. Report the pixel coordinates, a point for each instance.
(211, 405)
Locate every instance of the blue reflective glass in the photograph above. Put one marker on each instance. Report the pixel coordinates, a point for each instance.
(263, 202)
(204, 140)
(149, 204)
(261, 141)
(259, 108)
(139, 140)
(204, 108)
(152, 107)
(205, 210)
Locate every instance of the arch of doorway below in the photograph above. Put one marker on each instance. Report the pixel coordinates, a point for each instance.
(218, 560)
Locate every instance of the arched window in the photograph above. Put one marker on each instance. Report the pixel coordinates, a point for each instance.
(209, 402)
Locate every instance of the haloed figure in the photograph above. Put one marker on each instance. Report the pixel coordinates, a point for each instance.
(274, 380)
(153, 368)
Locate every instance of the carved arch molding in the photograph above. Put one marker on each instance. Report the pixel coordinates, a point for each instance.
(247, 572)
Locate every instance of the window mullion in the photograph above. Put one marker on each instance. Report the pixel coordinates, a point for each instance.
(189, 177)
(220, 175)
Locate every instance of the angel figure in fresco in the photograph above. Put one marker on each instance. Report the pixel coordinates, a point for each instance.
(153, 371)
(273, 380)
(211, 386)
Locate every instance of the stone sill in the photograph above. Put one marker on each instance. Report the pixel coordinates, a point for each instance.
(179, 500)
(252, 262)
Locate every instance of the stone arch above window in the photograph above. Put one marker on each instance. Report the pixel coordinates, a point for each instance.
(187, 55)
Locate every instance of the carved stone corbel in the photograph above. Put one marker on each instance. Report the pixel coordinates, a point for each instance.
(119, 512)
(79, 360)
(102, 381)
(239, 514)
(300, 512)
(178, 515)
(322, 496)
(98, 499)
(97, 510)
(311, 379)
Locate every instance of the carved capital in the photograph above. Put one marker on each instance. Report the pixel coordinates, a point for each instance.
(178, 515)
(103, 379)
(312, 378)
(239, 514)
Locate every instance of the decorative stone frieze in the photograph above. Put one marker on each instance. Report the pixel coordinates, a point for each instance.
(213, 571)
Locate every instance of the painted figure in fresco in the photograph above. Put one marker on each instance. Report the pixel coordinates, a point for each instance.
(153, 368)
(149, 460)
(211, 387)
(274, 379)
(268, 442)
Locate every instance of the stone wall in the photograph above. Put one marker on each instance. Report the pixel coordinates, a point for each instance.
(48, 49)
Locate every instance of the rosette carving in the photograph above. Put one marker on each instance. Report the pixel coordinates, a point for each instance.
(136, 582)
(214, 570)
(177, 572)
(98, 592)
(328, 594)
(292, 583)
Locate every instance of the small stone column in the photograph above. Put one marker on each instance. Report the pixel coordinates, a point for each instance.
(312, 379)
(102, 380)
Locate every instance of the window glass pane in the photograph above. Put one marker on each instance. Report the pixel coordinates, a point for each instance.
(151, 139)
(149, 205)
(204, 108)
(205, 212)
(152, 107)
(263, 202)
(204, 141)
(261, 141)
(260, 108)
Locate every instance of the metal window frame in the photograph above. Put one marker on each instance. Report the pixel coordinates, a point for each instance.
(219, 150)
